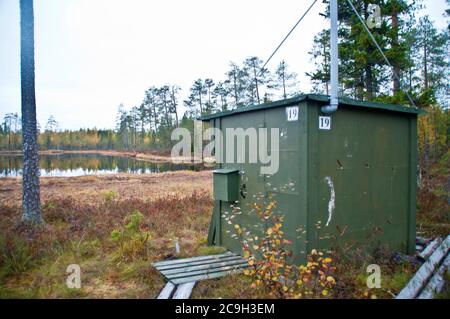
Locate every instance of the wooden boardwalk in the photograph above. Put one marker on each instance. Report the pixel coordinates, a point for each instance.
(182, 274)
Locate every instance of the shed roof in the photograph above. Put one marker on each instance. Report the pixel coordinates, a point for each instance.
(343, 101)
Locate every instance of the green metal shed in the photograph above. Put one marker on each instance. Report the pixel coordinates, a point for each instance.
(353, 170)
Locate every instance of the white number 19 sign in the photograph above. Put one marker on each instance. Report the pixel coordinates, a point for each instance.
(324, 123)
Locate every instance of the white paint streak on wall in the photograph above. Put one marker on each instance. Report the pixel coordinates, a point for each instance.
(331, 204)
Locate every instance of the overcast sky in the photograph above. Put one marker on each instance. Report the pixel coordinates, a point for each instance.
(92, 55)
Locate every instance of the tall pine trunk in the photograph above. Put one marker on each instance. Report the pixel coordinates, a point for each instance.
(368, 65)
(30, 195)
(256, 81)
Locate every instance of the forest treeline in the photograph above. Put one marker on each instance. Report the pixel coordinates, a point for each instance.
(419, 70)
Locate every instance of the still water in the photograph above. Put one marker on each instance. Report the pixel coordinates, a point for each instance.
(88, 164)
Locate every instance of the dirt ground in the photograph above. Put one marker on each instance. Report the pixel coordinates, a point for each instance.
(87, 188)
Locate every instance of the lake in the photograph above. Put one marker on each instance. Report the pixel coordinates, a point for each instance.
(65, 165)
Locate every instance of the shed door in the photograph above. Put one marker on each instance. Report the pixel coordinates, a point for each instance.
(287, 184)
(363, 179)
(251, 181)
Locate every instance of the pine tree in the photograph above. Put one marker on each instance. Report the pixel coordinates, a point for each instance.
(196, 100)
(256, 77)
(363, 72)
(209, 87)
(235, 84)
(31, 203)
(50, 128)
(221, 94)
(285, 80)
(432, 56)
(173, 108)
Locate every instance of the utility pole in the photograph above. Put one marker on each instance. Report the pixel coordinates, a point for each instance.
(334, 68)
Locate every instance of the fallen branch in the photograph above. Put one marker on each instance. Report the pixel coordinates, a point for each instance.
(437, 282)
(420, 279)
(428, 250)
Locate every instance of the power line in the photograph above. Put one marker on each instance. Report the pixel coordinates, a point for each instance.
(379, 49)
(287, 36)
(282, 42)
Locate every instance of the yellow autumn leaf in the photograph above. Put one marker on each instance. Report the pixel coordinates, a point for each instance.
(269, 231)
(324, 292)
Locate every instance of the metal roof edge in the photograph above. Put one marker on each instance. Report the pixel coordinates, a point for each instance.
(318, 98)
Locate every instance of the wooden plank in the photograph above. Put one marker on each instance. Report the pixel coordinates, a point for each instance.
(203, 266)
(191, 259)
(421, 277)
(184, 290)
(208, 276)
(422, 241)
(206, 271)
(428, 250)
(186, 260)
(167, 291)
(437, 282)
(201, 262)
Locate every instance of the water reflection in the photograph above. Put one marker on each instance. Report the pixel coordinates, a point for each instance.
(88, 164)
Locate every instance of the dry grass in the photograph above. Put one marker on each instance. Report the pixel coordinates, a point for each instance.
(433, 213)
(80, 214)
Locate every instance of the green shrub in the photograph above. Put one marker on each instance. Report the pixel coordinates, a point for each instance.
(109, 196)
(16, 256)
(131, 238)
